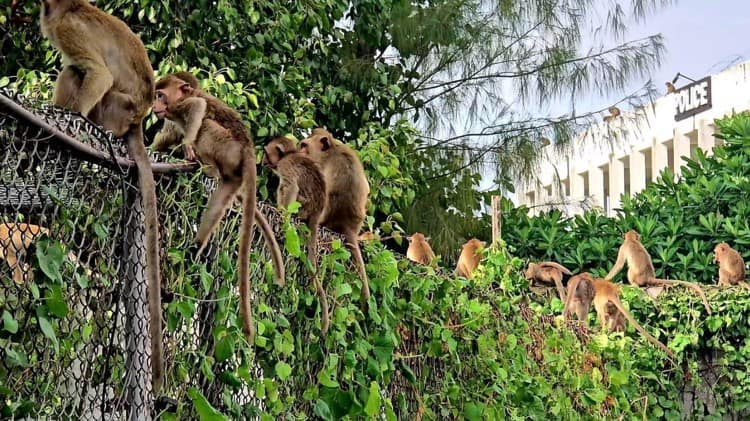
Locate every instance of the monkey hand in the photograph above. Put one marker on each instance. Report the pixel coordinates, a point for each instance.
(189, 152)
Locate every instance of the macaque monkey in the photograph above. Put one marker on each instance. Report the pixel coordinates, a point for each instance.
(419, 249)
(15, 240)
(548, 273)
(171, 133)
(614, 112)
(670, 88)
(580, 296)
(300, 180)
(107, 77)
(640, 268)
(216, 136)
(348, 190)
(470, 257)
(609, 308)
(731, 266)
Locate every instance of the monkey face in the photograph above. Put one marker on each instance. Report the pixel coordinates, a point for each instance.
(417, 237)
(169, 90)
(530, 271)
(720, 250)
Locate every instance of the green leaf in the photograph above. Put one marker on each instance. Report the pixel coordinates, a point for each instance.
(473, 411)
(283, 370)
(205, 411)
(48, 331)
(292, 241)
(50, 256)
(373, 400)
(10, 324)
(224, 349)
(321, 409)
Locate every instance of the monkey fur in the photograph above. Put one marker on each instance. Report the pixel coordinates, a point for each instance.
(107, 77)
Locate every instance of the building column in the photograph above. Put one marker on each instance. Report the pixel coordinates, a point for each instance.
(596, 186)
(681, 148)
(637, 172)
(659, 159)
(706, 139)
(616, 182)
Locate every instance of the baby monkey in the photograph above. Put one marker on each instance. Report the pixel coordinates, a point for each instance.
(214, 133)
(300, 180)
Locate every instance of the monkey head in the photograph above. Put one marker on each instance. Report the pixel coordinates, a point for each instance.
(417, 237)
(720, 250)
(318, 143)
(475, 245)
(632, 235)
(530, 272)
(169, 90)
(276, 149)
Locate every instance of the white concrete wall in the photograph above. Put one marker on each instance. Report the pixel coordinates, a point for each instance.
(649, 138)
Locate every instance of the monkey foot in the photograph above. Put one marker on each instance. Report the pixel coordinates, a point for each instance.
(165, 404)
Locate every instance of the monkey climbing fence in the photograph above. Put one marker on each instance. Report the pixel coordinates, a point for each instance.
(74, 342)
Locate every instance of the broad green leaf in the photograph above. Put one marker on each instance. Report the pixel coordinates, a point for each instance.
(373, 400)
(205, 411)
(283, 370)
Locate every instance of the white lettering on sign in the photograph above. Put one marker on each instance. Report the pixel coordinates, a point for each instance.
(693, 99)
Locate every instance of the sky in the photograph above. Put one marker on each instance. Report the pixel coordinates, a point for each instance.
(701, 37)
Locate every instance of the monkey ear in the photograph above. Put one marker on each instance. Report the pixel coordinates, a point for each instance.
(325, 143)
(428, 238)
(186, 88)
(280, 150)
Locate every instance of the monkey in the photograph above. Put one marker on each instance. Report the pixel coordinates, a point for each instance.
(171, 133)
(348, 190)
(580, 296)
(301, 180)
(15, 240)
(107, 77)
(215, 135)
(614, 112)
(367, 236)
(548, 272)
(670, 88)
(469, 258)
(731, 266)
(606, 299)
(640, 268)
(419, 249)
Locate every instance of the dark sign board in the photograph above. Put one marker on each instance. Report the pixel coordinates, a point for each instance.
(693, 99)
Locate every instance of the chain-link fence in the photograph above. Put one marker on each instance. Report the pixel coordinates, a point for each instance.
(74, 342)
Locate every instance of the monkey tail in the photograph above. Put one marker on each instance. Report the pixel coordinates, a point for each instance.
(691, 285)
(312, 254)
(246, 235)
(273, 246)
(643, 331)
(137, 151)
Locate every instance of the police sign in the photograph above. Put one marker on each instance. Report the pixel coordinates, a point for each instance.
(693, 99)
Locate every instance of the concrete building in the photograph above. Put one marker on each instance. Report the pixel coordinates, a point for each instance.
(597, 170)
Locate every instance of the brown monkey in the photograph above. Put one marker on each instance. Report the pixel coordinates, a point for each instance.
(670, 88)
(171, 133)
(609, 308)
(614, 112)
(548, 273)
(640, 268)
(731, 266)
(300, 180)
(580, 296)
(419, 249)
(470, 257)
(348, 190)
(108, 78)
(15, 239)
(215, 134)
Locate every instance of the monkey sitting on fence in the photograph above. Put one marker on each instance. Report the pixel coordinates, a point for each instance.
(214, 133)
(302, 181)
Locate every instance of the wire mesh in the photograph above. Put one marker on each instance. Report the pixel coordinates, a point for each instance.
(74, 340)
